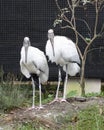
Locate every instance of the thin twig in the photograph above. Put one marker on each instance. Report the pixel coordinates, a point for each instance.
(69, 5)
(87, 47)
(96, 18)
(85, 24)
(67, 26)
(62, 13)
(98, 48)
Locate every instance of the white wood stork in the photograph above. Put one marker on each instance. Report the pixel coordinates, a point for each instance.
(33, 61)
(63, 52)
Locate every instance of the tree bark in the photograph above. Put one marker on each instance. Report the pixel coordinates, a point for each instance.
(82, 78)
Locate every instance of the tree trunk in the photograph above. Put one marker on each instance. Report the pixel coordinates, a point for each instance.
(82, 78)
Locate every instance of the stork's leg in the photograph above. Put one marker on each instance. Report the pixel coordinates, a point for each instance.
(65, 84)
(33, 100)
(33, 85)
(40, 98)
(59, 80)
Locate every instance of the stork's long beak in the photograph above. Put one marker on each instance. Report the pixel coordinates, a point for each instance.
(26, 44)
(52, 43)
(26, 51)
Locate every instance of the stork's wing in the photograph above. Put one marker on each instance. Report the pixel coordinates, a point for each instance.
(42, 66)
(73, 69)
(44, 73)
(24, 70)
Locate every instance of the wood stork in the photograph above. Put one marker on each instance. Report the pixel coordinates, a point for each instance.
(63, 52)
(33, 61)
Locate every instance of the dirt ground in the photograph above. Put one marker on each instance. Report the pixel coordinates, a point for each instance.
(52, 115)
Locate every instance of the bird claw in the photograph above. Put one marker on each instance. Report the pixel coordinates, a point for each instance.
(34, 108)
(40, 108)
(55, 100)
(31, 108)
(64, 100)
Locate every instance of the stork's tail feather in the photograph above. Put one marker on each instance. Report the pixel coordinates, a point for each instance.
(43, 77)
(72, 69)
(44, 74)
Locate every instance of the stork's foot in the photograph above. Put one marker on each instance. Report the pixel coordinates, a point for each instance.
(40, 108)
(72, 104)
(31, 108)
(35, 108)
(55, 100)
(63, 100)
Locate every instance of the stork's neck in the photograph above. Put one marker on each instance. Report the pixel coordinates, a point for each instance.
(26, 53)
(52, 44)
(52, 40)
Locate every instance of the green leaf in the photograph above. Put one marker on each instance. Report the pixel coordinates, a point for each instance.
(88, 39)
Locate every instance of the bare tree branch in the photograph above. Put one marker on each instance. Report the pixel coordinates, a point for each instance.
(102, 8)
(96, 18)
(98, 48)
(62, 14)
(71, 24)
(85, 24)
(69, 5)
(102, 29)
(87, 47)
(67, 26)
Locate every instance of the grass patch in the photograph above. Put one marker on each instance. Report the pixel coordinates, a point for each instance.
(49, 98)
(95, 94)
(72, 93)
(91, 119)
(87, 119)
(92, 95)
(12, 96)
(25, 126)
(30, 126)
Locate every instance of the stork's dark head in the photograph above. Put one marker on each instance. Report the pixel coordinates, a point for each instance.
(26, 44)
(51, 38)
(50, 34)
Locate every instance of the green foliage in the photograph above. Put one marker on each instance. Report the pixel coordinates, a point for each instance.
(30, 126)
(92, 117)
(48, 99)
(92, 94)
(1, 73)
(88, 40)
(72, 93)
(11, 96)
(25, 126)
(95, 94)
(101, 94)
(87, 119)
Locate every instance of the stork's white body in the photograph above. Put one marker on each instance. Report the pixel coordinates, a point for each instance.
(65, 53)
(36, 64)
